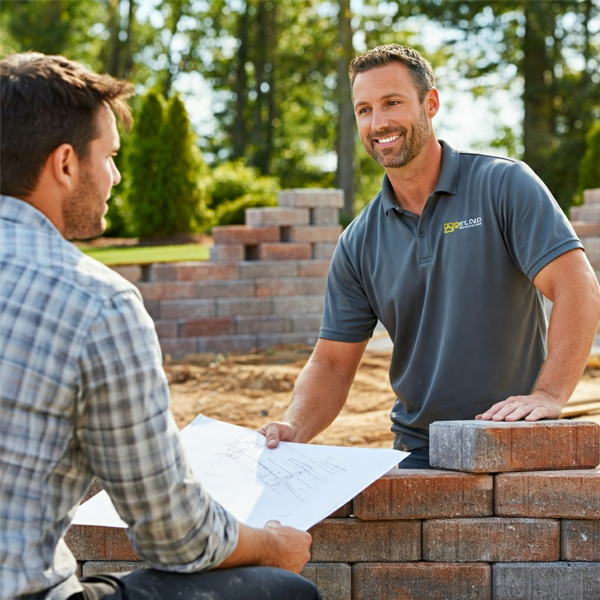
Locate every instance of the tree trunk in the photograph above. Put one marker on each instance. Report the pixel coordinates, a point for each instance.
(238, 132)
(345, 125)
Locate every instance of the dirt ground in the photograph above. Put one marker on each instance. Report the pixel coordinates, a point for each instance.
(253, 389)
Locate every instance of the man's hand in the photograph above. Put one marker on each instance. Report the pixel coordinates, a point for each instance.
(276, 432)
(536, 406)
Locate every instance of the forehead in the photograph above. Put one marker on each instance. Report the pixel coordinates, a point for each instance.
(106, 127)
(394, 78)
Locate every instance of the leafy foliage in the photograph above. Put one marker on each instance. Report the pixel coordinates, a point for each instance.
(589, 174)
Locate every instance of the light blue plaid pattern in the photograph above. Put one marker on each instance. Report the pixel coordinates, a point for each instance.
(83, 394)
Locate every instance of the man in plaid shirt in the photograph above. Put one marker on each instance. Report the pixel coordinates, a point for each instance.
(82, 389)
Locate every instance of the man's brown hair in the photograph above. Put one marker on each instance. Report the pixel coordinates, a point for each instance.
(420, 68)
(46, 101)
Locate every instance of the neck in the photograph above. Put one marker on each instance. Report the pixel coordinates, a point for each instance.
(414, 183)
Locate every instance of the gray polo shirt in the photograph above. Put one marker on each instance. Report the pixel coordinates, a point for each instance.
(453, 288)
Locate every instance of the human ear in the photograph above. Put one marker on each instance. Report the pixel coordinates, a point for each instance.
(64, 166)
(432, 102)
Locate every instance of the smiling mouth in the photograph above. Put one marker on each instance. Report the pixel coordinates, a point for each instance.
(387, 140)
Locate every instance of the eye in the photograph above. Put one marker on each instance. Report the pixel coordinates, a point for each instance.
(362, 111)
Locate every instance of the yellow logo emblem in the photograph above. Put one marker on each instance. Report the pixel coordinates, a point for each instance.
(450, 227)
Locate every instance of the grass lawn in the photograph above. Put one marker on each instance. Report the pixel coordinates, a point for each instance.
(138, 255)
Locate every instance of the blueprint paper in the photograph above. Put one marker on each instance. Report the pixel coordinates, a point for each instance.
(296, 484)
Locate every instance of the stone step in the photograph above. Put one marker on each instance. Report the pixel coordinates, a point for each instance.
(587, 212)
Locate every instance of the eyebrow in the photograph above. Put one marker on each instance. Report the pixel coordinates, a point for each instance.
(385, 97)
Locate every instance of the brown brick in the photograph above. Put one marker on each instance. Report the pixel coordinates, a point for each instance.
(304, 286)
(585, 229)
(491, 539)
(324, 216)
(99, 543)
(323, 250)
(497, 446)
(94, 488)
(426, 494)
(224, 252)
(166, 290)
(560, 494)
(187, 309)
(229, 343)
(166, 329)
(351, 540)
(421, 581)
(591, 196)
(313, 268)
(298, 305)
(241, 234)
(232, 307)
(306, 323)
(261, 324)
(315, 233)
(200, 271)
(132, 273)
(334, 580)
(254, 269)
(284, 251)
(178, 347)
(206, 327)
(311, 198)
(94, 567)
(342, 511)
(275, 216)
(580, 540)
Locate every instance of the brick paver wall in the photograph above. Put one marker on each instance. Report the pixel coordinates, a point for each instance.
(467, 532)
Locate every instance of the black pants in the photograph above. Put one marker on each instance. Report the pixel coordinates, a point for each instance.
(418, 459)
(245, 583)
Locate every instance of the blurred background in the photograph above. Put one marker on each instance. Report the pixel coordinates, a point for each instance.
(237, 99)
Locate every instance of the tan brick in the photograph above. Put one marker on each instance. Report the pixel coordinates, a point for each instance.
(313, 268)
(351, 540)
(334, 580)
(241, 234)
(261, 324)
(591, 196)
(187, 309)
(132, 273)
(166, 290)
(561, 494)
(315, 233)
(94, 567)
(297, 286)
(323, 250)
(206, 327)
(166, 329)
(275, 216)
(426, 494)
(306, 323)
(324, 216)
(587, 212)
(178, 347)
(199, 271)
(298, 305)
(229, 343)
(311, 198)
(225, 252)
(232, 307)
(284, 251)
(585, 229)
(498, 446)
(580, 540)
(233, 288)
(491, 539)
(254, 269)
(421, 581)
(99, 543)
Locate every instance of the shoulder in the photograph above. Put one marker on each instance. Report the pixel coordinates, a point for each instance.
(353, 237)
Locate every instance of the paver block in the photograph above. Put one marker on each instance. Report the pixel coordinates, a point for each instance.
(94, 567)
(591, 196)
(587, 212)
(224, 252)
(591, 245)
(426, 494)
(306, 323)
(324, 216)
(313, 268)
(276, 216)
(202, 270)
(491, 539)
(546, 581)
(421, 581)
(178, 347)
(232, 288)
(254, 269)
(233, 307)
(580, 540)
(162, 272)
(166, 329)
(132, 273)
(241, 234)
(298, 305)
(334, 580)
(314, 233)
(594, 260)
(188, 309)
(267, 340)
(284, 251)
(227, 343)
(206, 327)
(261, 324)
(166, 290)
(497, 446)
(323, 250)
(99, 543)
(297, 286)
(351, 540)
(342, 511)
(573, 494)
(586, 229)
(311, 198)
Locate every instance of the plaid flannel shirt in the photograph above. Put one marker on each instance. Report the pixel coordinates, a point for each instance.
(83, 394)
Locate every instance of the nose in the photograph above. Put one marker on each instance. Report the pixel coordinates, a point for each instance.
(379, 120)
(116, 174)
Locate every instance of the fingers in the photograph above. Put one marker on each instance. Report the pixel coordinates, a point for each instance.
(277, 432)
(517, 408)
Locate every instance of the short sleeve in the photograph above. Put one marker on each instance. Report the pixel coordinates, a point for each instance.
(535, 229)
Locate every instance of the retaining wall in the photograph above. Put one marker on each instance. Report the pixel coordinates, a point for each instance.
(514, 515)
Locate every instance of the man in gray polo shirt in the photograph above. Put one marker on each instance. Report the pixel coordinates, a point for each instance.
(453, 256)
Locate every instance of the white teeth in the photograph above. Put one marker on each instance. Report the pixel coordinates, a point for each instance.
(388, 139)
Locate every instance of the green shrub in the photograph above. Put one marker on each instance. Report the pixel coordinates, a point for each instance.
(233, 212)
(589, 170)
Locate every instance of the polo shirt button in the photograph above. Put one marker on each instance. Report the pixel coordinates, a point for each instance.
(404, 447)
(421, 234)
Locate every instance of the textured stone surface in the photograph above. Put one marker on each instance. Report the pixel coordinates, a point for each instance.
(205, 327)
(491, 539)
(573, 494)
(591, 196)
(351, 540)
(284, 251)
(324, 216)
(426, 494)
(231, 307)
(546, 581)
(587, 212)
(132, 273)
(311, 198)
(490, 446)
(421, 581)
(261, 324)
(323, 250)
(260, 269)
(188, 309)
(167, 290)
(342, 511)
(334, 580)
(241, 234)
(99, 543)
(315, 233)
(227, 252)
(298, 305)
(200, 271)
(291, 286)
(586, 229)
(276, 216)
(227, 343)
(306, 323)
(313, 268)
(580, 540)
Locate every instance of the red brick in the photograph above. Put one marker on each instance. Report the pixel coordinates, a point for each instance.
(261, 324)
(198, 271)
(585, 229)
(334, 580)
(206, 327)
(224, 252)
(311, 198)
(323, 250)
(426, 494)
(313, 268)
(421, 581)
(284, 251)
(166, 329)
(241, 234)
(591, 196)
(305, 286)
(275, 216)
(491, 539)
(99, 543)
(560, 494)
(351, 540)
(315, 233)
(580, 540)
(498, 446)
(166, 290)
(324, 216)
(233, 307)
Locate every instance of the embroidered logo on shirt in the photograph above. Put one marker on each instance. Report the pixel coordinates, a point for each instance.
(450, 227)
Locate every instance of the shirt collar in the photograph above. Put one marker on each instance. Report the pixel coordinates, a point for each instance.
(447, 182)
(19, 211)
